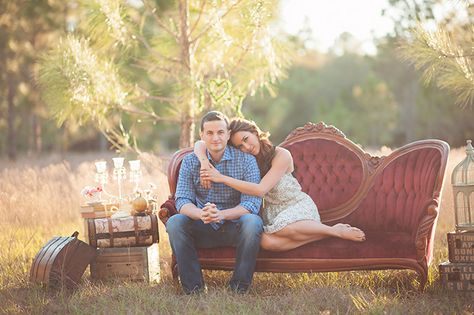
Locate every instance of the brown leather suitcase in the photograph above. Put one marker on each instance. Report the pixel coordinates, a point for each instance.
(62, 262)
(123, 231)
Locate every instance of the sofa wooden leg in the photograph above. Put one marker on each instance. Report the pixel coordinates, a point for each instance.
(423, 278)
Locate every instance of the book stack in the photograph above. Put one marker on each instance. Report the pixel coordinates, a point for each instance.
(457, 274)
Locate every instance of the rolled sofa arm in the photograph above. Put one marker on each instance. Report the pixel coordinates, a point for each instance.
(425, 232)
(167, 210)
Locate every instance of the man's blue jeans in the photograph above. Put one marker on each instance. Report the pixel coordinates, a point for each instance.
(186, 235)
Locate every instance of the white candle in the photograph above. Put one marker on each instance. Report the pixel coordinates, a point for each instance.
(118, 162)
(134, 165)
(101, 166)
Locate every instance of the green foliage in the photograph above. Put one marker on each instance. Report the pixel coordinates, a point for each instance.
(79, 84)
(343, 91)
(26, 28)
(444, 58)
(184, 50)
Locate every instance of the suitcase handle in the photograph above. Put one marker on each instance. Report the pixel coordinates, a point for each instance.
(75, 234)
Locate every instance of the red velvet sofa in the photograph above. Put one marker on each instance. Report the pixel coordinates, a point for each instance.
(394, 199)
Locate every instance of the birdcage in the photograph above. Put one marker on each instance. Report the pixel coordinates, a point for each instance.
(462, 180)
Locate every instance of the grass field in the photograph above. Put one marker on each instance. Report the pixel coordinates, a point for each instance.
(39, 199)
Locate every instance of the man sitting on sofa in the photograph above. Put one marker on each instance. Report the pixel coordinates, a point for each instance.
(219, 216)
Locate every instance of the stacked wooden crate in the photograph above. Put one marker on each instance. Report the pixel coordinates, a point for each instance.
(458, 273)
(127, 246)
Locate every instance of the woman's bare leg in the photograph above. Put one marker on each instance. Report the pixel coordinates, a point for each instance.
(306, 231)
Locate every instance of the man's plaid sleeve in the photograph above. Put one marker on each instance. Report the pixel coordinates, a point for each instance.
(185, 192)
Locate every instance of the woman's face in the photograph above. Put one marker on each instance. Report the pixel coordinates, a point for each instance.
(246, 142)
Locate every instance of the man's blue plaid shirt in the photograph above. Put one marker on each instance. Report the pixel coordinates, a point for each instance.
(234, 163)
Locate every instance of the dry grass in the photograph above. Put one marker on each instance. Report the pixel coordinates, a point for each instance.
(39, 199)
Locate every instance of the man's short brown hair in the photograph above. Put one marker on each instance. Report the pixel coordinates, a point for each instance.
(214, 116)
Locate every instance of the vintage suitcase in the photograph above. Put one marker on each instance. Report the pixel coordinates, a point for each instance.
(127, 263)
(461, 247)
(457, 277)
(62, 262)
(123, 232)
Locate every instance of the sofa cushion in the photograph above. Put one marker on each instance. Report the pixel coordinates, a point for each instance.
(377, 245)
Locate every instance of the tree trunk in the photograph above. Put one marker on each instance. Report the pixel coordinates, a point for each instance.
(11, 133)
(103, 143)
(37, 144)
(409, 106)
(186, 138)
(64, 142)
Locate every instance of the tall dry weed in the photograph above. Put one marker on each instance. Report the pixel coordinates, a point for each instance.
(50, 194)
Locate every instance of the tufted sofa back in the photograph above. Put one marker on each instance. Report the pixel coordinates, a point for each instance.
(401, 191)
(349, 185)
(327, 171)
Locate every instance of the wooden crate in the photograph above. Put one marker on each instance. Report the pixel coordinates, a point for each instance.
(457, 277)
(461, 247)
(127, 263)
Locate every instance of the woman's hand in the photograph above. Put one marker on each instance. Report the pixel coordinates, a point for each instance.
(212, 174)
(205, 165)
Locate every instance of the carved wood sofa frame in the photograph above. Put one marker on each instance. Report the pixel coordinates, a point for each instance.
(374, 172)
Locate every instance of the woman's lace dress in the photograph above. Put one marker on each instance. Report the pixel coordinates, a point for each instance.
(286, 203)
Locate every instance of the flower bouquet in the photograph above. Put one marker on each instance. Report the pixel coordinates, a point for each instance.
(92, 194)
(96, 207)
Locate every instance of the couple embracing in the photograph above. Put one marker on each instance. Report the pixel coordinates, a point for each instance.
(219, 196)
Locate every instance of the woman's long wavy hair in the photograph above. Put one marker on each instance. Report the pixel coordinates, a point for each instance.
(267, 149)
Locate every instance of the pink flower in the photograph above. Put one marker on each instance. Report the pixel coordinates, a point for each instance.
(90, 191)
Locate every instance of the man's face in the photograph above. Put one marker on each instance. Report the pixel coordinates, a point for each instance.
(215, 134)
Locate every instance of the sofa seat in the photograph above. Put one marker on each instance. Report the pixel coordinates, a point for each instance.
(377, 245)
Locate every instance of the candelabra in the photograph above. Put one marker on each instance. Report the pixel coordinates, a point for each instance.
(135, 173)
(119, 175)
(101, 175)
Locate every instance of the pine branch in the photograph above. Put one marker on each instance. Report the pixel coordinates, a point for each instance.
(206, 28)
(443, 61)
(239, 61)
(147, 45)
(201, 10)
(153, 10)
(150, 68)
(133, 110)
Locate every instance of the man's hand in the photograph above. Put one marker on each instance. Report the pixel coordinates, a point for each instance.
(210, 213)
(205, 165)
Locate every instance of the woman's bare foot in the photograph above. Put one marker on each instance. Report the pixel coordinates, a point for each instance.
(347, 232)
(341, 225)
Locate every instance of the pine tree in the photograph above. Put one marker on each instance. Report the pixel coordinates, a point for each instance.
(194, 54)
(445, 56)
(26, 27)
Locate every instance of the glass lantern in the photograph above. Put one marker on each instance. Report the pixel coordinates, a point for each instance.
(462, 180)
